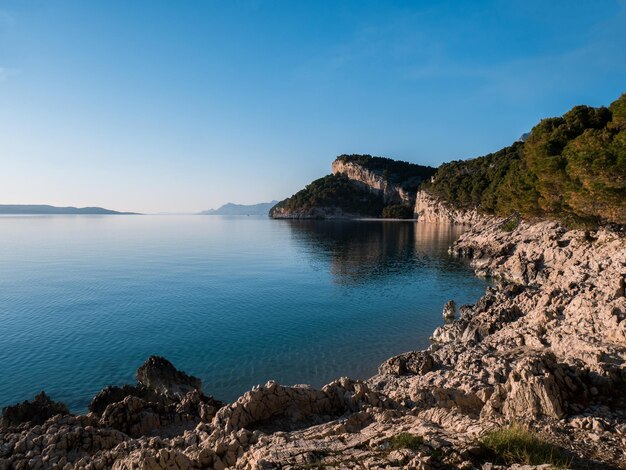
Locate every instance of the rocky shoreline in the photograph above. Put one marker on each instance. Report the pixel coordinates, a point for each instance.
(545, 348)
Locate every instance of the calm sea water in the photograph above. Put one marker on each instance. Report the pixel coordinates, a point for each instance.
(84, 300)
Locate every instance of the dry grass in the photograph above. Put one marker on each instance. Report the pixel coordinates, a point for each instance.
(516, 444)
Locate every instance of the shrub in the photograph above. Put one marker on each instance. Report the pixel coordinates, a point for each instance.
(406, 440)
(511, 223)
(516, 444)
(397, 212)
(336, 191)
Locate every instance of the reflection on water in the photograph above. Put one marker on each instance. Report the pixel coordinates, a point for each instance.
(234, 300)
(358, 251)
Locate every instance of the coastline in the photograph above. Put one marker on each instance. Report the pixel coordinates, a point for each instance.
(546, 347)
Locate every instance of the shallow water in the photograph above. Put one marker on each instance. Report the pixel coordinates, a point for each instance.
(84, 300)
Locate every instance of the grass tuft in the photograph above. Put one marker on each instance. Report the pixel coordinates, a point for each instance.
(406, 440)
(515, 444)
(511, 223)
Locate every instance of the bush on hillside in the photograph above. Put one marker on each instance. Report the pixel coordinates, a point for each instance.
(572, 168)
(334, 191)
(397, 212)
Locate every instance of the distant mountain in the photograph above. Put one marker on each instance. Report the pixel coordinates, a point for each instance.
(45, 209)
(241, 209)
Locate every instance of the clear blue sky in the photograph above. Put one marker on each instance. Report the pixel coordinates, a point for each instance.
(181, 106)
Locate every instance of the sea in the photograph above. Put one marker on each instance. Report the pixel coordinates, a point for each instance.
(233, 300)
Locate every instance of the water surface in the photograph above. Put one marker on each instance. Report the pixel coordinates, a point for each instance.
(84, 300)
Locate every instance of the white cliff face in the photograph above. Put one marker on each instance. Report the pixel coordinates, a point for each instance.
(431, 210)
(373, 182)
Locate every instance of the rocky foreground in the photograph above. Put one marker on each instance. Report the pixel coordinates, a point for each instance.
(545, 347)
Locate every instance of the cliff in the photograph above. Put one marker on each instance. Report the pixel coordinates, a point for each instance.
(429, 209)
(375, 180)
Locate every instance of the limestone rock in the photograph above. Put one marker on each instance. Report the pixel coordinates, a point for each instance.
(160, 375)
(416, 362)
(374, 182)
(36, 411)
(430, 210)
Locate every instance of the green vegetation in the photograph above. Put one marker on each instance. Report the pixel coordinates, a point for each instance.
(572, 168)
(406, 440)
(516, 444)
(407, 175)
(397, 211)
(511, 223)
(336, 191)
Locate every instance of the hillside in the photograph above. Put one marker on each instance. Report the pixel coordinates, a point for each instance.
(24, 209)
(330, 196)
(571, 168)
(241, 209)
(359, 186)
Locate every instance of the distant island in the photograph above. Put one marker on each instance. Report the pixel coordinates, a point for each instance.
(23, 209)
(262, 208)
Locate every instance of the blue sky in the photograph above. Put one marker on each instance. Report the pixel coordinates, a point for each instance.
(181, 106)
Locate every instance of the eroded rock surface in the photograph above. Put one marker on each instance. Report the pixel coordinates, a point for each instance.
(428, 209)
(374, 182)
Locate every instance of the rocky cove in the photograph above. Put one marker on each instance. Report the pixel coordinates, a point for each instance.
(544, 347)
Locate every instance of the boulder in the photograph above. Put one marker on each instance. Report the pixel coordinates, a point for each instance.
(531, 392)
(415, 362)
(35, 412)
(159, 375)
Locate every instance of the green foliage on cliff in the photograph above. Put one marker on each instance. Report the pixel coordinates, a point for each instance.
(572, 168)
(405, 174)
(333, 191)
(477, 182)
(397, 211)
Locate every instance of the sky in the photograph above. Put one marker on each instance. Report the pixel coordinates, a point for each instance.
(162, 106)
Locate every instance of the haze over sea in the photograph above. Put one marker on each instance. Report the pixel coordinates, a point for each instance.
(235, 301)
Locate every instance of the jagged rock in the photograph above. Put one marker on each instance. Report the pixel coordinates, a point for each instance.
(416, 362)
(276, 407)
(430, 210)
(114, 394)
(36, 411)
(530, 392)
(160, 375)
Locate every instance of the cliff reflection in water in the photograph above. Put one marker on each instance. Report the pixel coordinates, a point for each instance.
(359, 250)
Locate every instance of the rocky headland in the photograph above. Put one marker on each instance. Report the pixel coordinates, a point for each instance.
(544, 348)
(359, 186)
